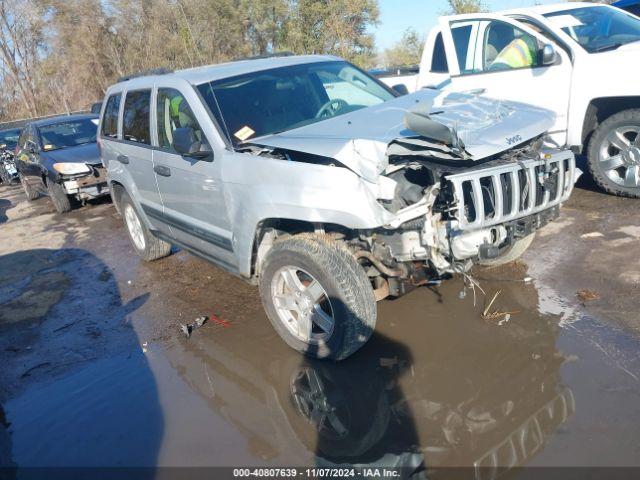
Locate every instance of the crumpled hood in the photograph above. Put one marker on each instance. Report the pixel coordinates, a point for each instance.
(87, 153)
(359, 139)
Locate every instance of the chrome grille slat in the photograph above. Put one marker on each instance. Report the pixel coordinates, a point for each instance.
(497, 201)
(515, 194)
(478, 199)
(532, 189)
(561, 179)
(500, 177)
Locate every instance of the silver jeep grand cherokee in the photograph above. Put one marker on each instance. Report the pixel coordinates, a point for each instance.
(330, 191)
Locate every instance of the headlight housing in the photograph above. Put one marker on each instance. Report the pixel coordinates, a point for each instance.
(71, 168)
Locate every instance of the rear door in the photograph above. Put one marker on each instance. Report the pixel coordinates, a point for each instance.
(135, 152)
(501, 58)
(191, 190)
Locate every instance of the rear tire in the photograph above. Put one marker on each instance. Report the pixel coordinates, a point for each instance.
(511, 253)
(331, 318)
(58, 197)
(29, 191)
(613, 157)
(147, 246)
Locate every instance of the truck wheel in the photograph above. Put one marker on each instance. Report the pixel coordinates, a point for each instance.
(317, 296)
(29, 191)
(510, 253)
(613, 157)
(58, 197)
(146, 245)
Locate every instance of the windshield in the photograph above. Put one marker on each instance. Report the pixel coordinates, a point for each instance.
(598, 29)
(9, 138)
(280, 99)
(67, 134)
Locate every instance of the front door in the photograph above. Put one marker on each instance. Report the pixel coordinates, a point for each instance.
(502, 58)
(191, 189)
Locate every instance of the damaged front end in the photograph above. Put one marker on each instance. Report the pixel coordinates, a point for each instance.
(82, 180)
(457, 179)
(448, 218)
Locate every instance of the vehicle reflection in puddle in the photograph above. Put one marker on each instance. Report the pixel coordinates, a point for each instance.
(436, 386)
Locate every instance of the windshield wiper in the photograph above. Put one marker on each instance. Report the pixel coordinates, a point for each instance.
(606, 48)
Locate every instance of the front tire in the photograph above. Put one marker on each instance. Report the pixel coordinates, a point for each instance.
(5, 177)
(147, 246)
(317, 296)
(613, 157)
(58, 197)
(511, 253)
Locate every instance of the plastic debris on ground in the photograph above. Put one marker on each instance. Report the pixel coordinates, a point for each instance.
(188, 328)
(592, 235)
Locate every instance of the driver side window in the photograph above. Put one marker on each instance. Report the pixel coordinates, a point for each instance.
(173, 112)
(499, 46)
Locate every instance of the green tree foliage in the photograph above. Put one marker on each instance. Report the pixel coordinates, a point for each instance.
(61, 55)
(407, 51)
(465, 6)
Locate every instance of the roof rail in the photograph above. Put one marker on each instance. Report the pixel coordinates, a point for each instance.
(144, 73)
(266, 55)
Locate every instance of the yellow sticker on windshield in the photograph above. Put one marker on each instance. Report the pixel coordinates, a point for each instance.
(244, 133)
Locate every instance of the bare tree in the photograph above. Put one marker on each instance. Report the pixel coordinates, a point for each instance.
(466, 6)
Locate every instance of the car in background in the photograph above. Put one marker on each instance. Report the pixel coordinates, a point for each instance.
(59, 157)
(631, 6)
(570, 58)
(8, 141)
(96, 107)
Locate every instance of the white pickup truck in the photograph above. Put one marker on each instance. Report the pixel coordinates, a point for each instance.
(576, 59)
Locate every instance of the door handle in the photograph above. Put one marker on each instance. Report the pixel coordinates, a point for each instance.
(162, 170)
(123, 159)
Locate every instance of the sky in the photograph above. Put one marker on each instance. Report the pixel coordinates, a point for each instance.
(398, 15)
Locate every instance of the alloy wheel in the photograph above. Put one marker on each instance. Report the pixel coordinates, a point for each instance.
(620, 156)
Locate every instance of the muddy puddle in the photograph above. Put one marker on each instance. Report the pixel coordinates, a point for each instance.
(437, 386)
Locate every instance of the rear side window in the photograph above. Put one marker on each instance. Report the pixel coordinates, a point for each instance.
(439, 60)
(110, 119)
(135, 121)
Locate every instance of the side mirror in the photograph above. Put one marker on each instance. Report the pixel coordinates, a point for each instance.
(187, 145)
(401, 88)
(549, 55)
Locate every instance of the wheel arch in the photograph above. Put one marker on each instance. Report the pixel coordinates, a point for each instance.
(116, 189)
(269, 229)
(599, 109)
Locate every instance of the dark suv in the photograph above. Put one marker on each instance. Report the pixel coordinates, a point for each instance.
(59, 157)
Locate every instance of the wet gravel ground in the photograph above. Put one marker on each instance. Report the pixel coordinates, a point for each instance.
(95, 371)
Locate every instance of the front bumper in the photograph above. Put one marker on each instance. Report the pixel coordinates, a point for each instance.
(88, 186)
